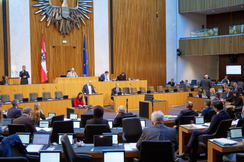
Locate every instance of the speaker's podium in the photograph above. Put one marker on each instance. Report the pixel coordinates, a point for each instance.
(147, 107)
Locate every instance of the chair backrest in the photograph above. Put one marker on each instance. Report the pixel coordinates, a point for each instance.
(143, 90)
(211, 113)
(132, 129)
(129, 116)
(229, 111)
(83, 119)
(156, 151)
(61, 127)
(160, 89)
(148, 97)
(240, 83)
(18, 96)
(58, 94)
(168, 87)
(94, 129)
(14, 159)
(240, 157)
(72, 102)
(222, 129)
(177, 87)
(238, 109)
(186, 120)
(151, 88)
(133, 90)
(193, 82)
(238, 115)
(57, 118)
(126, 90)
(69, 152)
(185, 88)
(13, 128)
(46, 95)
(5, 98)
(33, 96)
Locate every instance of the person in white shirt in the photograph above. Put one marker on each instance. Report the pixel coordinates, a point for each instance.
(72, 73)
(88, 89)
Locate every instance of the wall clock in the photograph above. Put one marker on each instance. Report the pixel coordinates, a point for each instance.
(64, 17)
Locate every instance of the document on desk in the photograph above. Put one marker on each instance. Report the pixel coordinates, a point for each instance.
(224, 141)
(34, 148)
(200, 126)
(234, 122)
(133, 146)
(44, 129)
(127, 147)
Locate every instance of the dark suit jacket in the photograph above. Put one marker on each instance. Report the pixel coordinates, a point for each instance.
(216, 119)
(205, 84)
(230, 96)
(97, 121)
(86, 91)
(114, 91)
(28, 122)
(88, 112)
(153, 133)
(240, 122)
(171, 83)
(102, 77)
(118, 119)
(24, 80)
(238, 88)
(185, 113)
(238, 102)
(13, 112)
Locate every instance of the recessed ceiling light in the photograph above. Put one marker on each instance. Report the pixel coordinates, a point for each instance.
(213, 10)
(241, 6)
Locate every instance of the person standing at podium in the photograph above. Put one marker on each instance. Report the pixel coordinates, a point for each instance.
(24, 75)
(88, 89)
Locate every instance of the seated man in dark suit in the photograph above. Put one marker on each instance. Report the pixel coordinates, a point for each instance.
(116, 90)
(98, 118)
(89, 110)
(197, 135)
(229, 95)
(158, 130)
(237, 88)
(207, 109)
(26, 120)
(14, 112)
(119, 116)
(171, 83)
(184, 113)
(104, 77)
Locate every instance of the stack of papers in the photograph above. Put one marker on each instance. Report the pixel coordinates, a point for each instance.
(130, 146)
(224, 141)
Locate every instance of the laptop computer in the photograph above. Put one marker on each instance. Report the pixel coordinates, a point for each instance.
(70, 136)
(25, 99)
(143, 123)
(138, 92)
(119, 93)
(6, 121)
(53, 156)
(65, 97)
(199, 120)
(190, 95)
(24, 137)
(73, 116)
(112, 156)
(76, 124)
(40, 141)
(44, 124)
(39, 98)
(103, 141)
(236, 132)
(51, 114)
(115, 138)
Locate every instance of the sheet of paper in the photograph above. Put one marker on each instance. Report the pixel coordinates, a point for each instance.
(133, 146)
(34, 148)
(127, 147)
(200, 126)
(224, 141)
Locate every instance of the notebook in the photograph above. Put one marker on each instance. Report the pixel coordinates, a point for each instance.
(70, 136)
(40, 141)
(53, 156)
(43, 123)
(112, 156)
(24, 137)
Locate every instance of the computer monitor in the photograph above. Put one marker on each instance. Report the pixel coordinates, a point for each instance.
(143, 123)
(199, 120)
(24, 137)
(76, 124)
(70, 137)
(236, 132)
(111, 156)
(115, 138)
(41, 138)
(53, 156)
(43, 123)
(102, 140)
(6, 121)
(220, 90)
(73, 116)
(50, 115)
(121, 77)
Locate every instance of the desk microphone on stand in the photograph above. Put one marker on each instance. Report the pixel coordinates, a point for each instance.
(152, 105)
(127, 105)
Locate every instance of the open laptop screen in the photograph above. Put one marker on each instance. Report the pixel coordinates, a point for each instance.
(43, 123)
(70, 136)
(52, 156)
(73, 116)
(24, 137)
(143, 123)
(41, 138)
(6, 121)
(50, 115)
(112, 156)
(199, 120)
(76, 124)
(236, 133)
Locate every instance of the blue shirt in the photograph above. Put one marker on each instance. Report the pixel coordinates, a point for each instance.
(205, 112)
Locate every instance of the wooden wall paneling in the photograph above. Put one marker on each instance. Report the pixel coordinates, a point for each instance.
(69, 56)
(8, 39)
(139, 40)
(1, 42)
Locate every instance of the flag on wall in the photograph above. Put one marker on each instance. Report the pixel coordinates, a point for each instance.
(43, 61)
(85, 60)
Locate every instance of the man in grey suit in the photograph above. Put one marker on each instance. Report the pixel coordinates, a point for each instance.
(205, 83)
(158, 131)
(89, 110)
(72, 73)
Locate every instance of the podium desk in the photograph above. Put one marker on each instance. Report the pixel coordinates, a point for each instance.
(75, 79)
(145, 108)
(14, 81)
(198, 103)
(95, 99)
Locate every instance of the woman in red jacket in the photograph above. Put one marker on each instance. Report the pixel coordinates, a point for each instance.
(78, 101)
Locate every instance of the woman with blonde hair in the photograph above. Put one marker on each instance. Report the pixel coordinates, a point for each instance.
(37, 114)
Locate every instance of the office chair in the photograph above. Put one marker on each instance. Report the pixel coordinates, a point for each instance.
(239, 157)
(13, 128)
(94, 129)
(133, 90)
(151, 88)
(70, 154)
(33, 96)
(68, 71)
(5, 98)
(221, 132)
(18, 96)
(57, 118)
(46, 95)
(156, 151)
(238, 115)
(129, 116)
(160, 89)
(211, 113)
(83, 119)
(143, 90)
(61, 127)
(58, 94)
(14, 159)
(72, 102)
(168, 88)
(126, 90)
(229, 111)
(131, 129)
(186, 120)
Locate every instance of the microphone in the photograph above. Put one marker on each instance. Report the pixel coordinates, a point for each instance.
(14, 90)
(43, 88)
(152, 104)
(127, 105)
(56, 88)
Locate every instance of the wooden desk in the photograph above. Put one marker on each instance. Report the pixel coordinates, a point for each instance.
(75, 79)
(198, 103)
(57, 106)
(14, 81)
(95, 99)
(184, 136)
(216, 151)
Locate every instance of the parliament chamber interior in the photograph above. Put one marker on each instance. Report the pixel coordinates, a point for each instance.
(121, 81)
